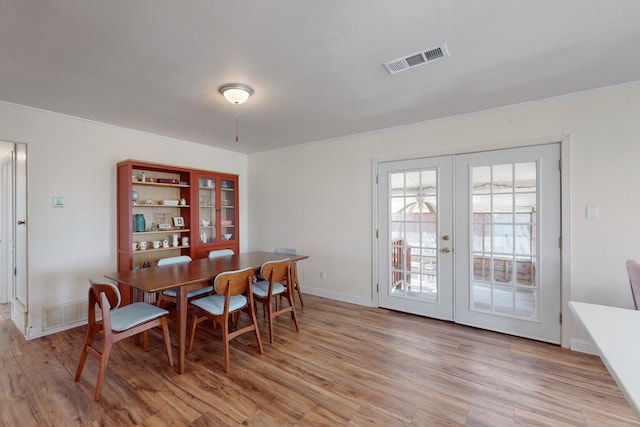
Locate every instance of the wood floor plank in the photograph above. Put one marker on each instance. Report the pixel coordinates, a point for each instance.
(348, 366)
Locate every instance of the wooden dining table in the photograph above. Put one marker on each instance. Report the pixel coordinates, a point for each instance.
(187, 276)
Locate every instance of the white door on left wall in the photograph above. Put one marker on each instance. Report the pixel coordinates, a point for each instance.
(13, 231)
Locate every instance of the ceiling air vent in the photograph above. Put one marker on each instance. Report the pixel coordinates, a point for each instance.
(416, 59)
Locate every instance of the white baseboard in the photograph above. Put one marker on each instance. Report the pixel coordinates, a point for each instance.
(584, 346)
(367, 302)
(33, 332)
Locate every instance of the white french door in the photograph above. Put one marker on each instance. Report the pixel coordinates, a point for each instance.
(492, 262)
(416, 235)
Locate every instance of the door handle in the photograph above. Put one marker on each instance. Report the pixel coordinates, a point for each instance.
(446, 250)
(21, 222)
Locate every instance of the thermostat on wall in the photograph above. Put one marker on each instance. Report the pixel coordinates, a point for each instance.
(58, 202)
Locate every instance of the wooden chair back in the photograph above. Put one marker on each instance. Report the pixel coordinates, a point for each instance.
(233, 283)
(111, 292)
(277, 271)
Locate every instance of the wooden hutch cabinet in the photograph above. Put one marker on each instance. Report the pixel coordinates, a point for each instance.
(166, 211)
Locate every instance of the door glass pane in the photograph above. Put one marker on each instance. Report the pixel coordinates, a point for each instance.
(414, 219)
(227, 210)
(503, 244)
(207, 206)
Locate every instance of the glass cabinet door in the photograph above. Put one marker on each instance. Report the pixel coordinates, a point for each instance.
(227, 210)
(207, 205)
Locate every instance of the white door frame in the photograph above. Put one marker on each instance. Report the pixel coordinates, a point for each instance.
(565, 252)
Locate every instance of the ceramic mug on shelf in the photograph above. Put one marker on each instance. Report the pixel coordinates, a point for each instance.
(135, 246)
(185, 241)
(143, 246)
(174, 241)
(156, 244)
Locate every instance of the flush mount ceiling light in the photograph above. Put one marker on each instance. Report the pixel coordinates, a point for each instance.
(236, 93)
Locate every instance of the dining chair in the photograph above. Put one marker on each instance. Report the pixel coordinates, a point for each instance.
(117, 324)
(277, 275)
(633, 269)
(220, 253)
(233, 295)
(171, 294)
(294, 271)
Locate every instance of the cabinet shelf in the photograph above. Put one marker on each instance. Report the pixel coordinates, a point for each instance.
(144, 251)
(159, 184)
(158, 205)
(172, 230)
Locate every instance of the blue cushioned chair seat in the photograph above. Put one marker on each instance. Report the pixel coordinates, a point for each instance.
(262, 288)
(214, 304)
(134, 314)
(190, 294)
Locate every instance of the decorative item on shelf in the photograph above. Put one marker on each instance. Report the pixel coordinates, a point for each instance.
(227, 236)
(156, 244)
(178, 221)
(165, 243)
(226, 222)
(174, 240)
(143, 246)
(135, 196)
(164, 220)
(183, 202)
(170, 202)
(168, 181)
(203, 237)
(226, 184)
(148, 202)
(204, 223)
(185, 241)
(140, 223)
(143, 177)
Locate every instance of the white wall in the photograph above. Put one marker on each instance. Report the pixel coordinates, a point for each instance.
(76, 159)
(318, 197)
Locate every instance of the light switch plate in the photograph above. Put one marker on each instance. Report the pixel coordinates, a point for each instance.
(593, 212)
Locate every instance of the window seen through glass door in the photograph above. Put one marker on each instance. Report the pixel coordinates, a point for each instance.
(504, 201)
(414, 220)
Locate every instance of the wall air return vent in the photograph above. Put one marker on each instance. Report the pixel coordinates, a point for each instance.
(416, 59)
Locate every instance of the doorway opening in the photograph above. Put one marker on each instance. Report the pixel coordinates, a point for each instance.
(13, 231)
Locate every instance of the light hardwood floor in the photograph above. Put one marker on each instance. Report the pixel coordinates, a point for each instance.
(349, 365)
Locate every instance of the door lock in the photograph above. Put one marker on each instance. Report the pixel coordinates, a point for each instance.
(20, 222)
(446, 250)
(445, 237)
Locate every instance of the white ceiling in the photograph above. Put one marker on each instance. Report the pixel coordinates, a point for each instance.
(316, 66)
